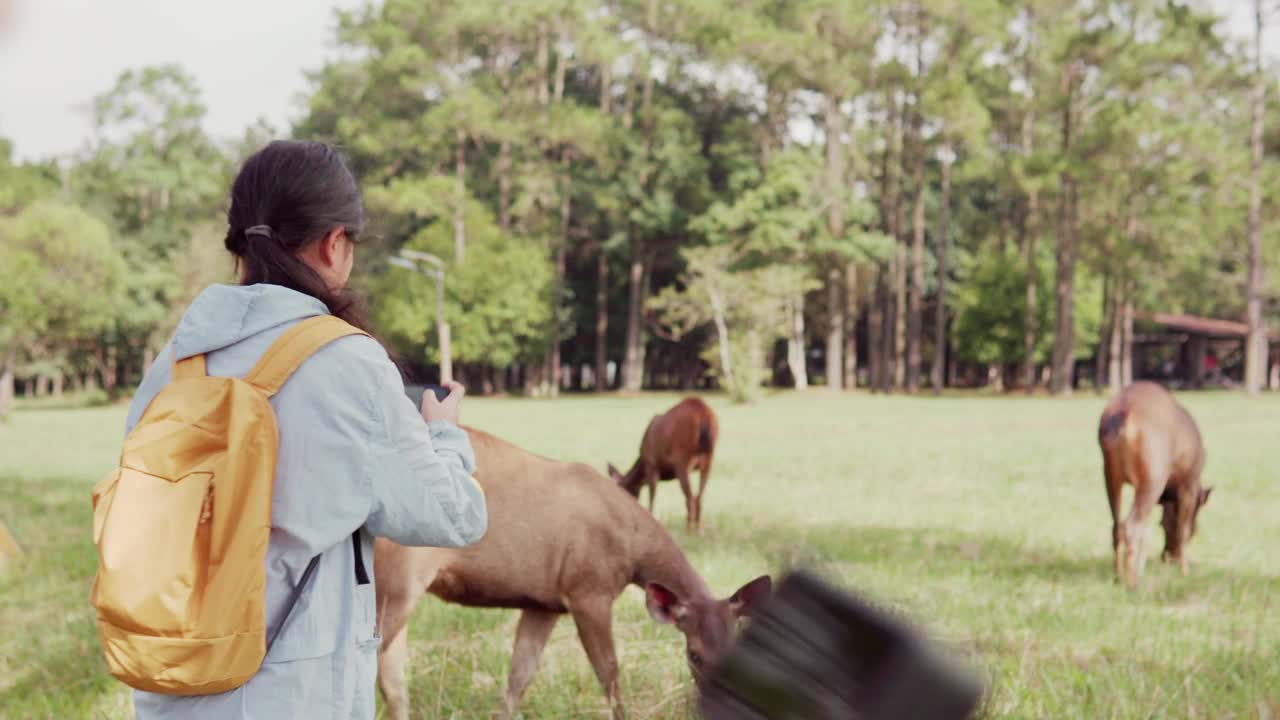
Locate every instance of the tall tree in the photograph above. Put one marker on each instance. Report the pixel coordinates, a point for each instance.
(60, 281)
(915, 302)
(1255, 360)
(1062, 379)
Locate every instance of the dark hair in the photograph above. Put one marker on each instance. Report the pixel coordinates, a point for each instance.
(301, 191)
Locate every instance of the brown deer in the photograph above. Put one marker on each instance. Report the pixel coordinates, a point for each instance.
(1151, 442)
(675, 444)
(562, 539)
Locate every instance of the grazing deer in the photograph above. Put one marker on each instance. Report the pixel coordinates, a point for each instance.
(562, 539)
(674, 445)
(1150, 441)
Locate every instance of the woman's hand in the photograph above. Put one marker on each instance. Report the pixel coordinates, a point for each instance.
(448, 409)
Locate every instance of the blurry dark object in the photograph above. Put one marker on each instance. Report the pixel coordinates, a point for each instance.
(813, 652)
(415, 392)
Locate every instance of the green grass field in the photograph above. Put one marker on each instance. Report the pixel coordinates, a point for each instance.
(983, 518)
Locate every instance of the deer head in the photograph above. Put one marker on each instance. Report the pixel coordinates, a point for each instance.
(1169, 521)
(708, 625)
(629, 482)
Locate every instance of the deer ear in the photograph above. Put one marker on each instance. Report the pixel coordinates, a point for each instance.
(749, 596)
(1204, 496)
(664, 605)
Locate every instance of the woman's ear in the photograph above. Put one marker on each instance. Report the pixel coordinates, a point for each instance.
(331, 251)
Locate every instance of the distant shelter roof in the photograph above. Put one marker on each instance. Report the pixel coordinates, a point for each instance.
(1213, 328)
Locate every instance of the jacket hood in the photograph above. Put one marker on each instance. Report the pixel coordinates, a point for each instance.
(223, 315)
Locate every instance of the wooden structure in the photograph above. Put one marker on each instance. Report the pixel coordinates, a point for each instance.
(1194, 351)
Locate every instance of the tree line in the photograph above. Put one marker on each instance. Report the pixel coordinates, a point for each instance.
(895, 194)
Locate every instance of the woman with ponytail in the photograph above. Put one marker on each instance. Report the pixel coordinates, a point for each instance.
(355, 460)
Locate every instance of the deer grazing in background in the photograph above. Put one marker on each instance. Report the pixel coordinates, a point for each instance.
(562, 539)
(1150, 441)
(674, 445)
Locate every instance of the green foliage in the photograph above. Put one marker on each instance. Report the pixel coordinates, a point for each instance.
(689, 144)
(498, 302)
(60, 273)
(991, 306)
(23, 184)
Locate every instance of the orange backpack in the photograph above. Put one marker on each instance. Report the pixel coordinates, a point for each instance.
(182, 525)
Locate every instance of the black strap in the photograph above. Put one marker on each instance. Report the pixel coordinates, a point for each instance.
(293, 599)
(362, 578)
(362, 575)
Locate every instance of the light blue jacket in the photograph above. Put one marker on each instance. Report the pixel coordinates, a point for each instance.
(354, 454)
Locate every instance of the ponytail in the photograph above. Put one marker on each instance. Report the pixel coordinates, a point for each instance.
(287, 196)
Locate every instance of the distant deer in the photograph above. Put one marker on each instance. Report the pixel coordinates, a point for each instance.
(562, 540)
(1150, 441)
(674, 445)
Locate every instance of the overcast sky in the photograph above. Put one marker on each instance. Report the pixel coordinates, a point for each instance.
(249, 58)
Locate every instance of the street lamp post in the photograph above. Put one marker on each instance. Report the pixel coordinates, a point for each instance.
(419, 262)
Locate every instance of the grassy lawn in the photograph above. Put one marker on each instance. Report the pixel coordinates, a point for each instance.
(983, 518)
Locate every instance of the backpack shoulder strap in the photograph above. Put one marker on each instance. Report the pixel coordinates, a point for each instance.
(189, 368)
(293, 348)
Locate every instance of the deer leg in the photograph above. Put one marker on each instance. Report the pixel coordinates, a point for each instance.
(690, 513)
(398, 590)
(394, 620)
(1151, 480)
(705, 475)
(1114, 470)
(391, 660)
(651, 480)
(594, 619)
(1186, 509)
(1169, 522)
(534, 628)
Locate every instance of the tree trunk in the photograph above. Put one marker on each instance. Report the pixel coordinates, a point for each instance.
(1064, 285)
(880, 318)
(503, 166)
(1115, 375)
(835, 224)
(602, 317)
(111, 376)
(606, 87)
(628, 103)
(1126, 342)
(915, 303)
(602, 258)
(899, 303)
(561, 63)
(722, 337)
(58, 379)
(504, 185)
(6, 383)
(566, 196)
(634, 362)
(543, 58)
(646, 88)
(796, 343)
(1104, 337)
(938, 371)
(875, 339)
(1255, 359)
(42, 385)
(633, 365)
(900, 315)
(1029, 330)
(460, 197)
(851, 312)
